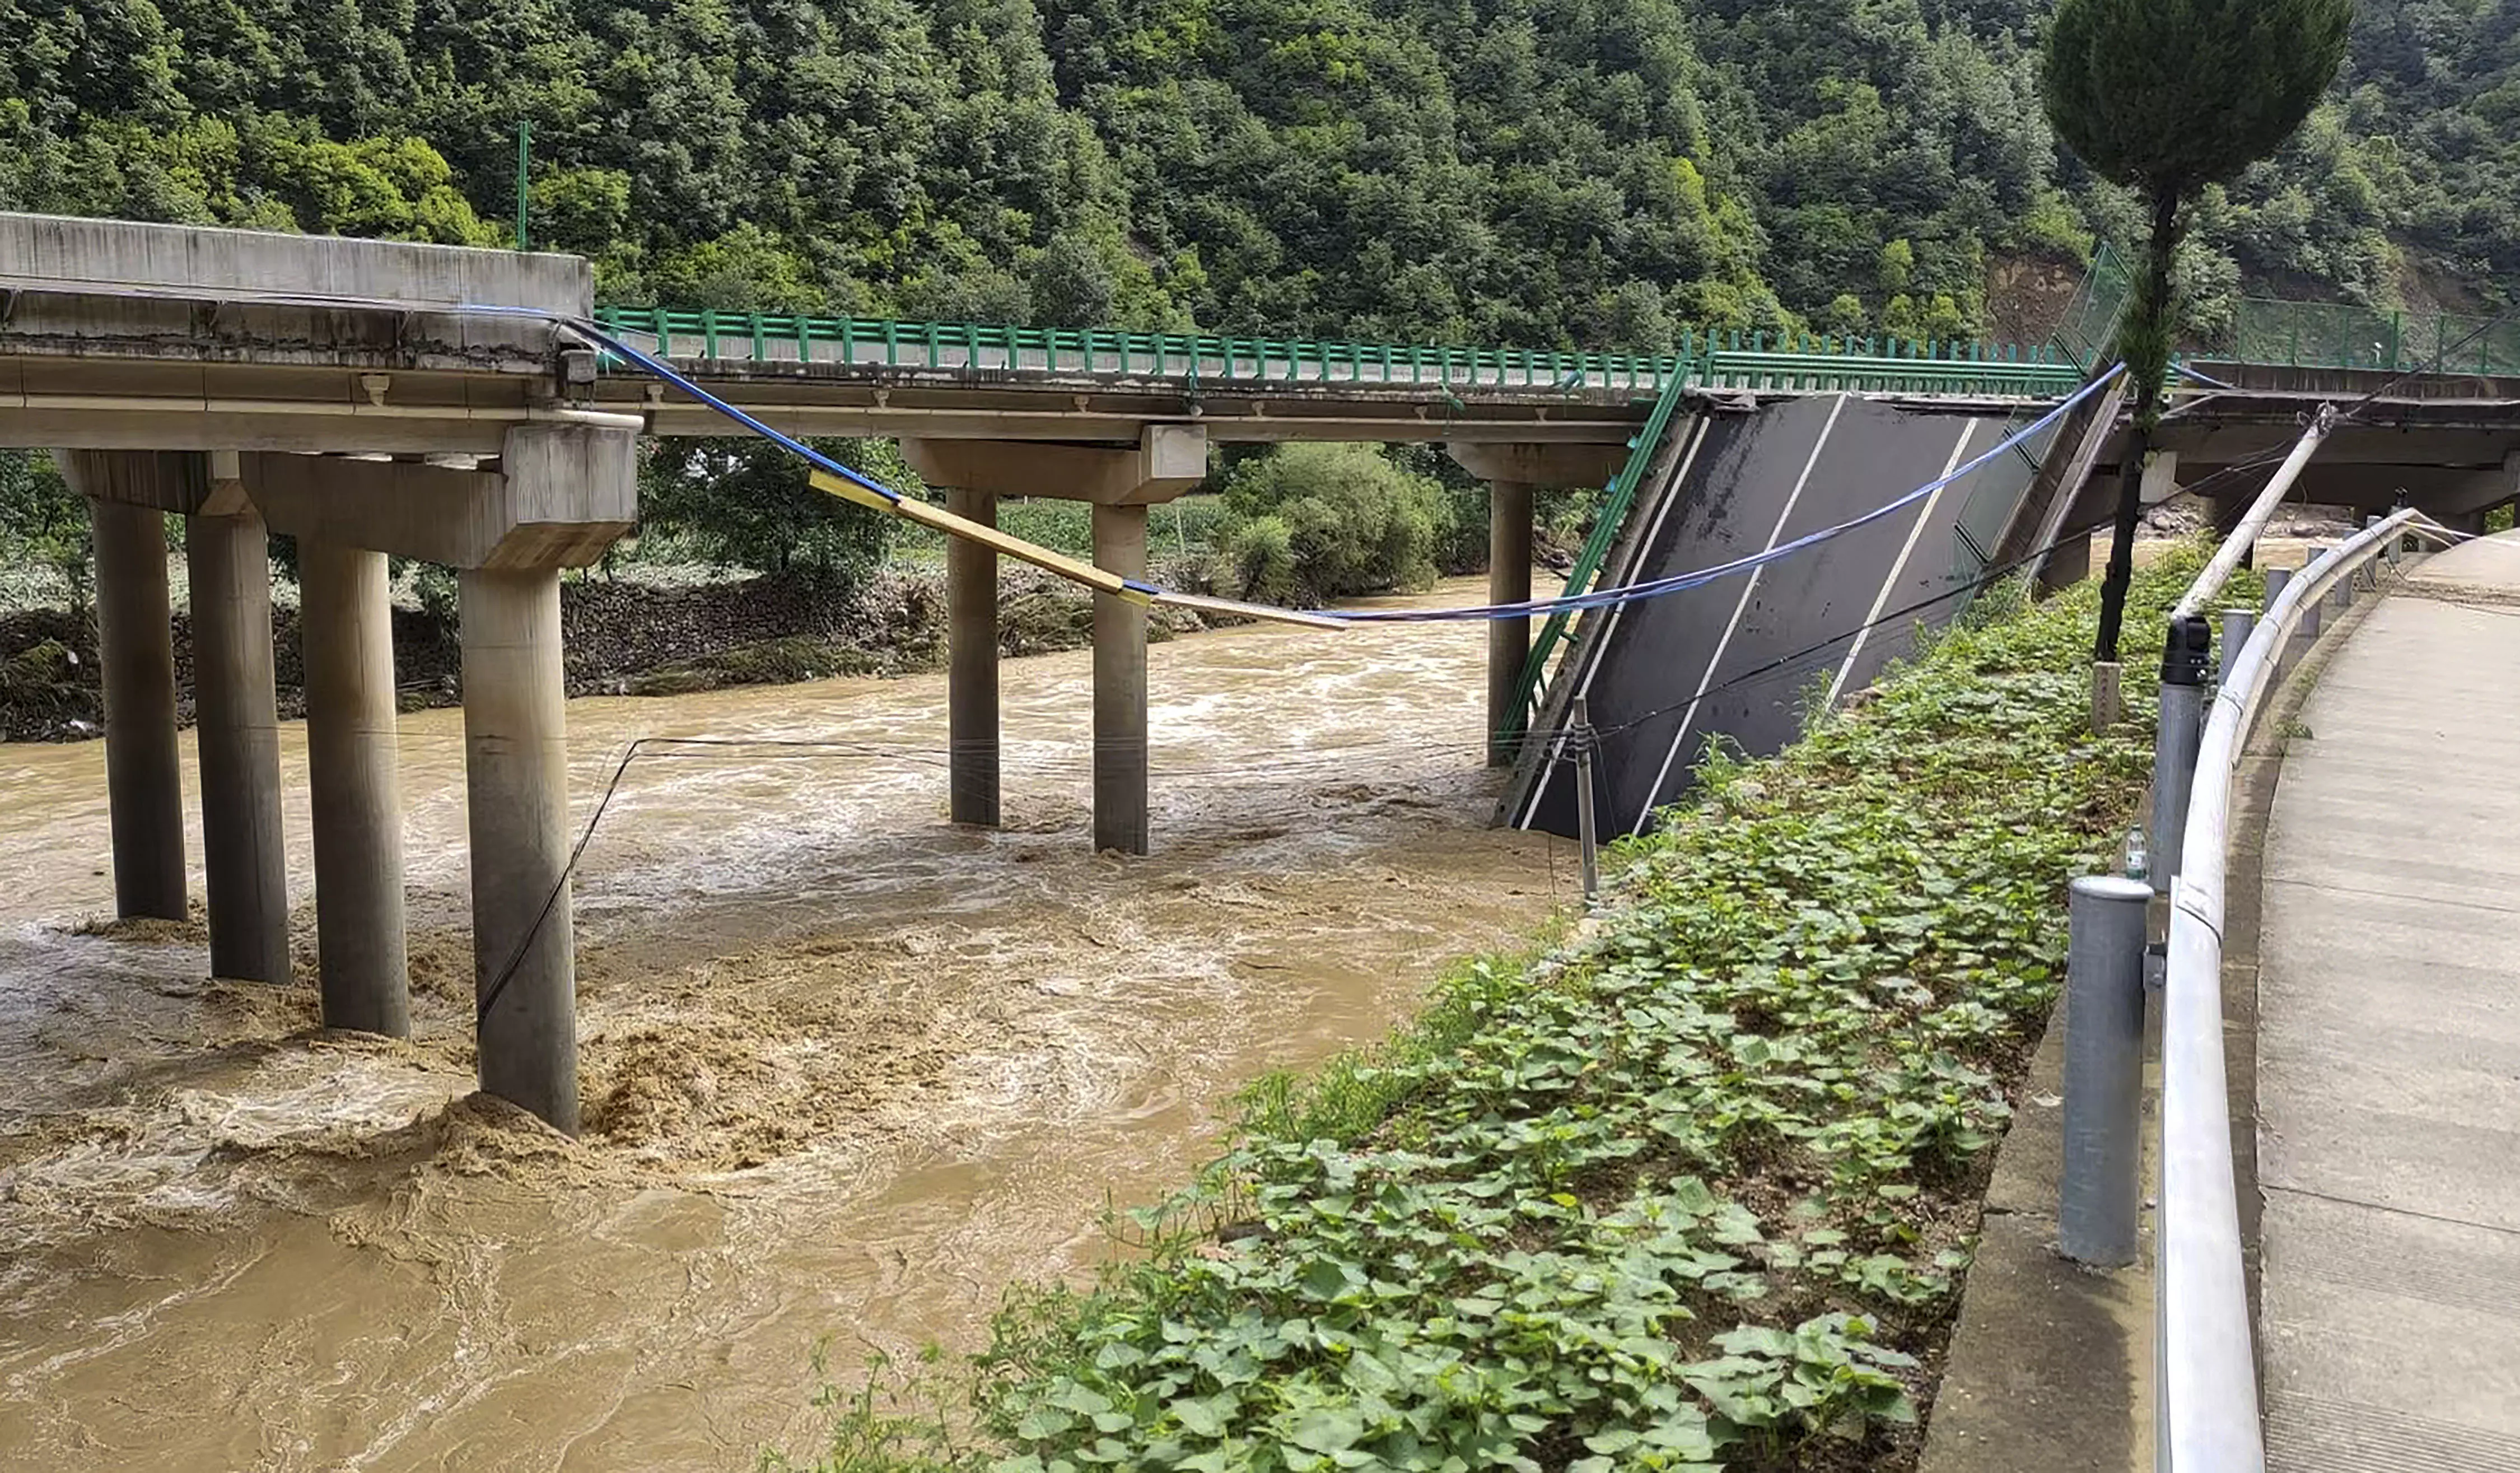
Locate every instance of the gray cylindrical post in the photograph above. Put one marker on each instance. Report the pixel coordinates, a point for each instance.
(2276, 578)
(2101, 1197)
(2237, 625)
(516, 776)
(1584, 819)
(972, 676)
(142, 773)
(244, 865)
(1120, 686)
(1509, 639)
(345, 632)
(2175, 741)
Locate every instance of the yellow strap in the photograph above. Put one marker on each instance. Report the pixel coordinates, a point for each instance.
(1098, 579)
(981, 532)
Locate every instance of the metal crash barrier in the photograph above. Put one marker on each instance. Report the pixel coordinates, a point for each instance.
(2205, 1391)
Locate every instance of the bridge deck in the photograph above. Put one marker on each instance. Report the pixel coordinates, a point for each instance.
(2388, 1042)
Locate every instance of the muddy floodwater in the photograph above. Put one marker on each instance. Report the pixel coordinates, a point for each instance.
(848, 1071)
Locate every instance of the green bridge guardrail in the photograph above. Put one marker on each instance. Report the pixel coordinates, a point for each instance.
(2345, 335)
(1730, 360)
(1619, 497)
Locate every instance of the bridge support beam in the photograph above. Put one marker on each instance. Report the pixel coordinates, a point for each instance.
(245, 861)
(1121, 482)
(345, 626)
(1120, 684)
(143, 773)
(972, 676)
(1511, 472)
(1509, 639)
(515, 773)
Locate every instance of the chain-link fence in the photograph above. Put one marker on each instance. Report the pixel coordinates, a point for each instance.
(2090, 325)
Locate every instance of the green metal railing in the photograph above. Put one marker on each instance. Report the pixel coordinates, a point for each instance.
(1727, 360)
(1616, 501)
(2345, 335)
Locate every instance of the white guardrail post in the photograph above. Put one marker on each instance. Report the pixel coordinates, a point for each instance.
(2205, 1389)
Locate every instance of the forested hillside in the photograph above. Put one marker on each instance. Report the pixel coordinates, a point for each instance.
(1540, 173)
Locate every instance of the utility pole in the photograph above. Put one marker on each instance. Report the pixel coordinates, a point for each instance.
(524, 190)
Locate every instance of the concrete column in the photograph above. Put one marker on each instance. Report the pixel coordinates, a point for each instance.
(2068, 562)
(971, 679)
(237, 723)
(346, 625)
(1509, 582)
(515, 770)
(1120, 686)
(143, 777)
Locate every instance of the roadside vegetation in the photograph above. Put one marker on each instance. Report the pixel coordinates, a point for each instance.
(1693, 1187)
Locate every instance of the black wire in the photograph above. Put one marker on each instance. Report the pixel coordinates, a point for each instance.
(1994, 573)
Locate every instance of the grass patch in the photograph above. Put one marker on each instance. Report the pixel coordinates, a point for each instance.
(1691, 1188)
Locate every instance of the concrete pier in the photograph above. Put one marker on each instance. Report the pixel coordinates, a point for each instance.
(2069, 562)
(971, 679)
(1120, 684)
(1509, 639)
(515, 765)
(143, 776)
(346, 627)
(237, 722)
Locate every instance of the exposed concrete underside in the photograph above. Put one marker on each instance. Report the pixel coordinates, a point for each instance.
(2389, 1045)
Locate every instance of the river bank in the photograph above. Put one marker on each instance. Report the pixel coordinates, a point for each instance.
(1694, 1189)
(849, 1071)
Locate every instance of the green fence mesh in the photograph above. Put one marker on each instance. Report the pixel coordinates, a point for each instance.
(2347, 335)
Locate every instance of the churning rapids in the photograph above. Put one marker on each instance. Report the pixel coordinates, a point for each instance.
(847, 1071)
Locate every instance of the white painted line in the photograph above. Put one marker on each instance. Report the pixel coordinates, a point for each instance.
(1750, 586)
(1881, 600)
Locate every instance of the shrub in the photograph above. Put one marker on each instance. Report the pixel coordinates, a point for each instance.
(1346, 521)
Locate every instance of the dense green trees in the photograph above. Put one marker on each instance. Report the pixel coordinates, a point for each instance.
(1544, 172)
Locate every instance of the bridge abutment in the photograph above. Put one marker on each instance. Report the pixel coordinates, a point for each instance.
(972, 674)
(345, 628)
(136, 649)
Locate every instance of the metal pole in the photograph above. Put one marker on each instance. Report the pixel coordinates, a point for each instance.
(2237, 625)
(2099, 1197)
(2174, 741)
(525, 155)
(2276, 578)
(1583, 734)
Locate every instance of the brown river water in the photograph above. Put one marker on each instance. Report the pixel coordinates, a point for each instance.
(848, 1071)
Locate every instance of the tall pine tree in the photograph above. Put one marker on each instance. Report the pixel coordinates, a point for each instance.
(2169, 96)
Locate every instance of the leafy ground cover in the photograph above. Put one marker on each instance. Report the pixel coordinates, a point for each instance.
(1691, 1189)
